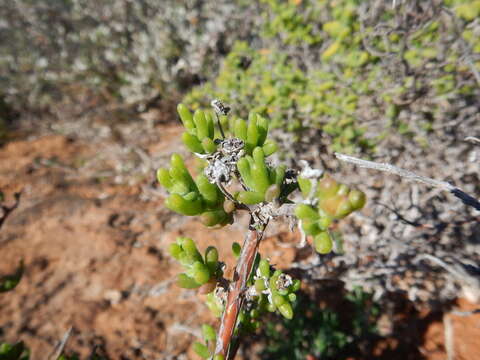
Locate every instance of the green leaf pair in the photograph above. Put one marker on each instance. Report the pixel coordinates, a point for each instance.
(200, 270)
(263, 182)
(189, 197)
(200, 134)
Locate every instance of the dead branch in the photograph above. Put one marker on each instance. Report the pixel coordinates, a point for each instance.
(61, 345)
(409, 175)
(472, 139)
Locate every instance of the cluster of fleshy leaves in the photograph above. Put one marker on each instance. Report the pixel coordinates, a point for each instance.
(264, 182)
(202, 197)
(333, 201)
(193, 197)
(273, 289)
(200, 132)
(199, 270)
(276, 291)
(270, 291)
(349, 74)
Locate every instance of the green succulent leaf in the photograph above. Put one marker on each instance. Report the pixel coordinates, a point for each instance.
(211, 258)
(201, 124)
(164, 178)
(311, 227)
(243, 166)
(250, 197)
(208, 333)
(175, 250)
(240, 129)
(286, 310)
(192, 143)
(357, 199)
(303, 211)
(186, 117)
(252, 132)
(209, 145)
(305, 186)
(236, 249)
(269, 147)
(186, 282)
(183, 206)
(201, 273)
(323, 243)
(201, 350)
(210, 192)
(264, 268)
(216, 217)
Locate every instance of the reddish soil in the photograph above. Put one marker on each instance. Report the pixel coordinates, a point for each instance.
(95, 259)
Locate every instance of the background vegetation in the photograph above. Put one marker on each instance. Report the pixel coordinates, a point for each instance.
(355, 70)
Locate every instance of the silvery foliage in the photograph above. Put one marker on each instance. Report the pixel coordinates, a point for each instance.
(131, 49)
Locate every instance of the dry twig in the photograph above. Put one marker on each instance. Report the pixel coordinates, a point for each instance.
(472, 139)
(59, 348)
(409, 175)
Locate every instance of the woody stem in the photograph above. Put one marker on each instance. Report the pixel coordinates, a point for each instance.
(236, 294)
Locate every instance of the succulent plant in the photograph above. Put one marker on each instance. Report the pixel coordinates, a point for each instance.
(236, 151)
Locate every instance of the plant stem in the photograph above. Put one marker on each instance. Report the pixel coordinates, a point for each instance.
(236, 294)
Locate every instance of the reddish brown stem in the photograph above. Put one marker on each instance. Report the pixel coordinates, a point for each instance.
(236, 294)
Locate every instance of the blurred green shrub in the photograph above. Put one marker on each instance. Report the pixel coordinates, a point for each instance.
(357, 70)
(320, 333)
(16, 351)
(269, 83)
(10, 282)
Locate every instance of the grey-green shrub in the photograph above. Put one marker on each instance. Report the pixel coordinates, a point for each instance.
(130, 51)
